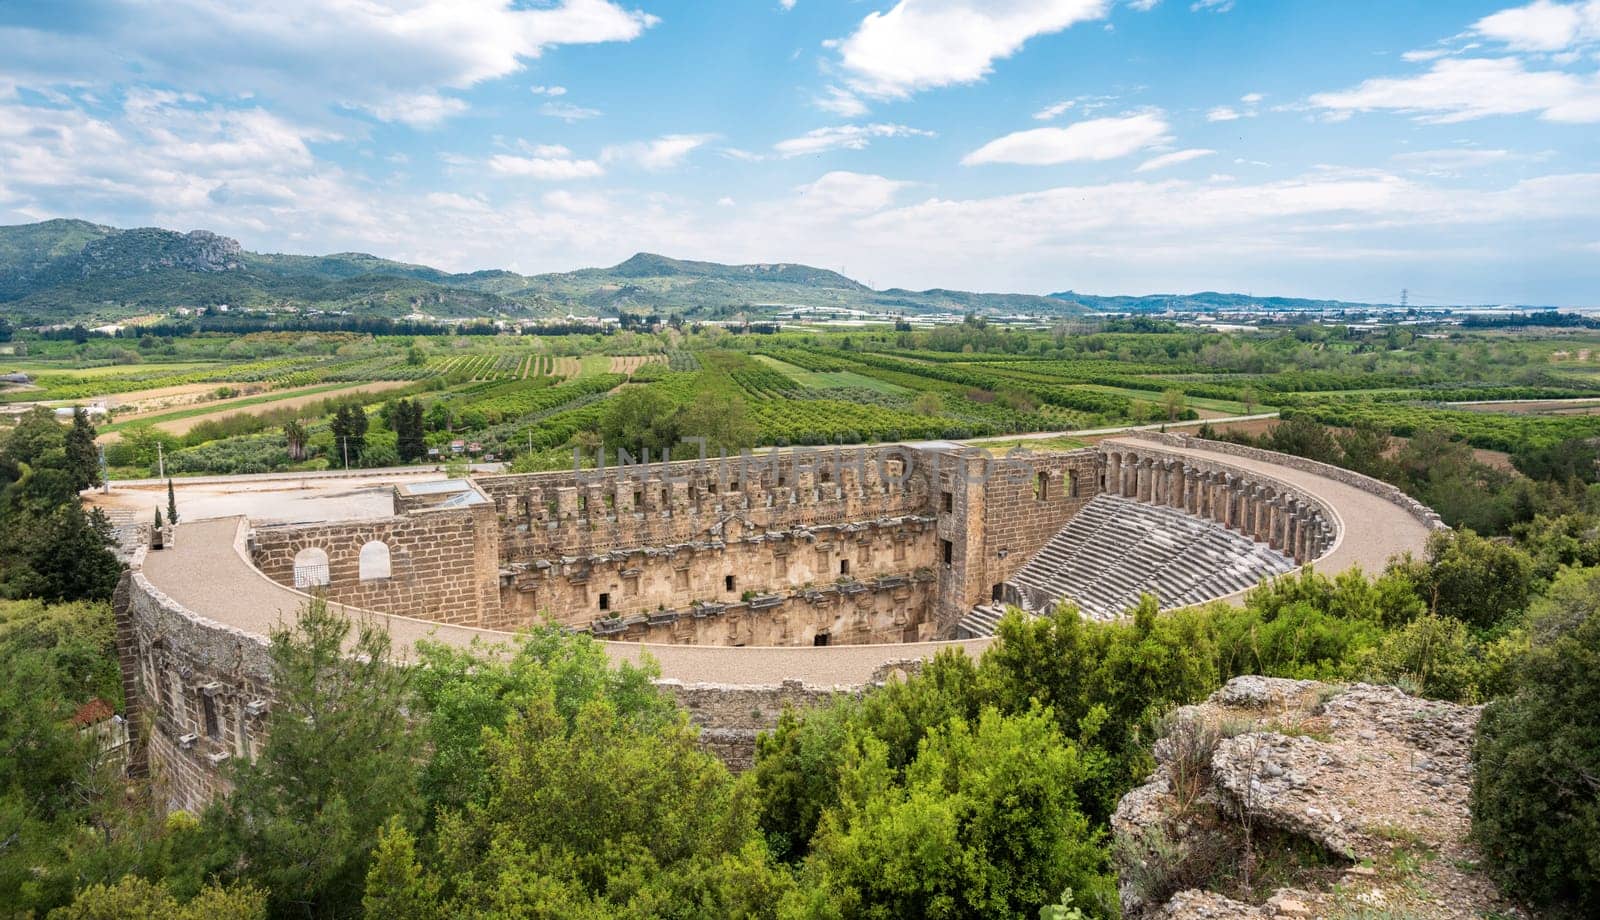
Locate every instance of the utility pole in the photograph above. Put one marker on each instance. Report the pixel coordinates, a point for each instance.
(105, 473)
(346, 442)
(161, 462)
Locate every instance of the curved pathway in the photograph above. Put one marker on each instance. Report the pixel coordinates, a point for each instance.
(209, 572)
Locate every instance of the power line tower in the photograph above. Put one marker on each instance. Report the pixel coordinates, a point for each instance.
(1405, 295)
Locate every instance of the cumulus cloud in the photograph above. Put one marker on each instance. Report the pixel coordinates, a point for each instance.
(924, 44)
(1543, 25)
(1223, 113)
(841, 192)
(394, 59)
(842, 137)
(1095, 139)
(665, 152)
(550, 162)
(1173, 159)
(1457, 90)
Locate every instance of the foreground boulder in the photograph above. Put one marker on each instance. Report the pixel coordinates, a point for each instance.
(1282, 798)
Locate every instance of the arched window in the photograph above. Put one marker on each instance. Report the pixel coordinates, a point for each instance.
(374, 561)
(310, 568)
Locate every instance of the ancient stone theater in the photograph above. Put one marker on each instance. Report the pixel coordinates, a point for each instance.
(754, 582)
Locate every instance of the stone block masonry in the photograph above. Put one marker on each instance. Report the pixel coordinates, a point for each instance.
(435, 564)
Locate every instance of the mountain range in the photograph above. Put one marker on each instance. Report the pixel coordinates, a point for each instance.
(59, 271)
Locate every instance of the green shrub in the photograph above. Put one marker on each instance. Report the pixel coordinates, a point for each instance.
(1536, 793)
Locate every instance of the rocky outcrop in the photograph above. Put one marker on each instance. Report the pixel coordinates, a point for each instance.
(1281, 798)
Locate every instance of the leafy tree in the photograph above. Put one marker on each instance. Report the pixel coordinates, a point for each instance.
(1173, 403)
(134, 898)
(594, 798)
(338, 763)
(1536, 790)
(984, 824)
(1478, 581)
(639, 419)
(720, 417)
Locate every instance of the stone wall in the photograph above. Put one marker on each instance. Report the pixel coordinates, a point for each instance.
(1378, 487)
(544, 515)
(442, 565)
(198, 692)
(663, 584)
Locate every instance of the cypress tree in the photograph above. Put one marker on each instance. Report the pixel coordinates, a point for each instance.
(172, 503)
(83, 458)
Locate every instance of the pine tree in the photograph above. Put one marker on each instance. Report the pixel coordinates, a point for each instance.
(83, 458)
(172, 503)
(337, 764)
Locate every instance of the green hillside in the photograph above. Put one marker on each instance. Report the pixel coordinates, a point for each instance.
(72, 271)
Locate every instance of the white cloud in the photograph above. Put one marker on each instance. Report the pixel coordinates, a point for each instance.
(1430, 54)
(1052, 111)
(786, 4)
(1223, 113)
(1456, 90)
(923, 44)
(842, 137)
(1095, 139)
(849, 193)
(394, 59)
(551, 163)
(1173, 159)
(1252, 98)
(840, 102)
(665, 152)
(568, 112)
(423, 110)
(1143, 6)
(548, 90)
(1543, 25)
(1212, 6)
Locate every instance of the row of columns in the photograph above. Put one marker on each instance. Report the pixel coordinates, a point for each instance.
(1261, 511)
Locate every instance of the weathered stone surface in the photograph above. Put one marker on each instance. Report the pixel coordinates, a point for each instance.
(1369, 774)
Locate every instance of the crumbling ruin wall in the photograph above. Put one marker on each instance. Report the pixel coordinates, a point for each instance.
(197, 693)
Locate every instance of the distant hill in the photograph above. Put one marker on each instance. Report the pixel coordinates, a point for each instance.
(61, 271)
(70, 271)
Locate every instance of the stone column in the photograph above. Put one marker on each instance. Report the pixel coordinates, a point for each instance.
(1113, 473)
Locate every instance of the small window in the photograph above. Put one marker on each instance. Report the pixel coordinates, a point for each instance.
(949, 551)
(949, 502)
(1041, 487)
(727, 582)
(311, 568)
(605, 601)
(844, 567)
(213, 729)
(374, 563)
(819, 639)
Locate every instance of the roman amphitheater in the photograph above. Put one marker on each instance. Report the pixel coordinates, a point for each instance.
(754, 582)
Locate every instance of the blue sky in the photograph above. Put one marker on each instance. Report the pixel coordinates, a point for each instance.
(1110, 146)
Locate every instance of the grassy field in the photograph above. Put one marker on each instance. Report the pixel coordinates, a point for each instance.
(541, 396)
(823, 380)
